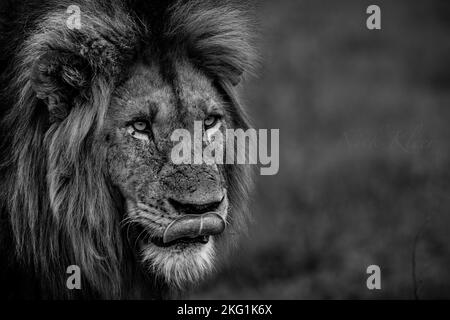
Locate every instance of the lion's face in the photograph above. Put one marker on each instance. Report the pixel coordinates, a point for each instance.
(174, 213)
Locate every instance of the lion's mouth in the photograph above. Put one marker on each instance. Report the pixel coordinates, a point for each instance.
(188, 230)
(186, 241)
(191, 229)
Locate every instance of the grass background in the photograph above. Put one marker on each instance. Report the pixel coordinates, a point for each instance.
(364, 154)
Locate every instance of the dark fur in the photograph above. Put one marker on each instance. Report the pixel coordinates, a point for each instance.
(57, 207)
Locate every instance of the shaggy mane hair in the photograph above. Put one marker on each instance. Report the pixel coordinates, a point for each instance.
(57, 207)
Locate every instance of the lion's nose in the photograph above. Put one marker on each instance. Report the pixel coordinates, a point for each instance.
(193, 189)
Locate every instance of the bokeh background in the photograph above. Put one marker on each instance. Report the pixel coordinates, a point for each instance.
(364, 154)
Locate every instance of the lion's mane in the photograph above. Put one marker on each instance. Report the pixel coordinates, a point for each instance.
(57, 206)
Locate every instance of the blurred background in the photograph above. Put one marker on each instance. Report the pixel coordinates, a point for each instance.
(364, 154)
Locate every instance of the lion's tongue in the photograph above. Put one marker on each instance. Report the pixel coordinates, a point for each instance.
(192, 226)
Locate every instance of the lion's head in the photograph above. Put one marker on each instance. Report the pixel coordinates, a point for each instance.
(177, 209)
(87, 168)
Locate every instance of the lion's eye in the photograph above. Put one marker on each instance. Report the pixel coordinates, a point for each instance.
(212, 125)
(141, 126)
(140, 129)
(210, 122)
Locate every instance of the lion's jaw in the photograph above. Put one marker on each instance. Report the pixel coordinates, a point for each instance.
(179, 266)
(180, 262)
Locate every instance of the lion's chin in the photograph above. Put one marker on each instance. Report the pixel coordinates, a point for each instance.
(179, 265)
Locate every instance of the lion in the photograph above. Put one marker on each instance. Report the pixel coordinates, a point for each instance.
(86, 119)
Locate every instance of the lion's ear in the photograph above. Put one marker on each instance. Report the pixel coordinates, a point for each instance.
(58, 77)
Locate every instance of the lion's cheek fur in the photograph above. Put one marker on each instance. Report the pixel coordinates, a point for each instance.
(132, 166)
